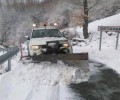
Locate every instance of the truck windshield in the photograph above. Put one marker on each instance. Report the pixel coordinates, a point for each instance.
(46, 33)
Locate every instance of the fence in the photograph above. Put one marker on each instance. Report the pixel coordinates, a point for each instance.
(7, 56)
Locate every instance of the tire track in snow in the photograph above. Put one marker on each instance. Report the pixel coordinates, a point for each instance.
(30, 94)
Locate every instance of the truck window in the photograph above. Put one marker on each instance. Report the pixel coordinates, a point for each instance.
(46, 33)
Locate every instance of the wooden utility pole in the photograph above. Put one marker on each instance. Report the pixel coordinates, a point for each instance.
(85, 25)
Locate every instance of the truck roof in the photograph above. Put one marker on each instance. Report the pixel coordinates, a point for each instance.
(44, 28)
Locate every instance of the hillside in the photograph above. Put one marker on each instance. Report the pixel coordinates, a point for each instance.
(17, 17)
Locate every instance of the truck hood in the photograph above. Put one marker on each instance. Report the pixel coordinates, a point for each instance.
(42, 41)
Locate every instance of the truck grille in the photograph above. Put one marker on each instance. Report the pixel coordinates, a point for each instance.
(60, 45)
(44, 46)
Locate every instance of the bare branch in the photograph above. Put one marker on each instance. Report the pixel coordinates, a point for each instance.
(78, 3)
(93, 5)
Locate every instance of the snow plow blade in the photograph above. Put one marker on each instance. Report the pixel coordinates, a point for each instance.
(75, 60)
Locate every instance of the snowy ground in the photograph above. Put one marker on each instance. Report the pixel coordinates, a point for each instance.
(2, 52)
(43, 81)
(48, 81)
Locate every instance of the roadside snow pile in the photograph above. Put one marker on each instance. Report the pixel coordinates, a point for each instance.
(48, 74)
(108, 54)
(2, 52)
(2, 47)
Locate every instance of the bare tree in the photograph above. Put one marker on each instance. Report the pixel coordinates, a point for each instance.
(83, 4)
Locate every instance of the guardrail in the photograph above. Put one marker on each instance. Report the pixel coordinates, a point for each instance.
(10, 52)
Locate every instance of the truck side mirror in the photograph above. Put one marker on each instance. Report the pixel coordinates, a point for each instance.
(27, 37)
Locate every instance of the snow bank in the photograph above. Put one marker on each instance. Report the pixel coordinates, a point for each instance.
(2, 52)
(108, 55)
(109, 21)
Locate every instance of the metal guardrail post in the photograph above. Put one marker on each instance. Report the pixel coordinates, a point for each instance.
(9, 64)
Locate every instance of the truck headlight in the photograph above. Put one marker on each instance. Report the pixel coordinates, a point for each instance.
(65, 45)
(34, 47)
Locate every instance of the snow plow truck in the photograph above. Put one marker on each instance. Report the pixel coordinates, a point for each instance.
(49, 44)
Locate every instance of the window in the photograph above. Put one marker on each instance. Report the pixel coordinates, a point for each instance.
(46, 33)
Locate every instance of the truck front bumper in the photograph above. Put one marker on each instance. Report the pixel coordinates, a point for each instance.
(44, 51)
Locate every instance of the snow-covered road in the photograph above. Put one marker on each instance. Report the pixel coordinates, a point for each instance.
(43, 81)
(29, 82)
